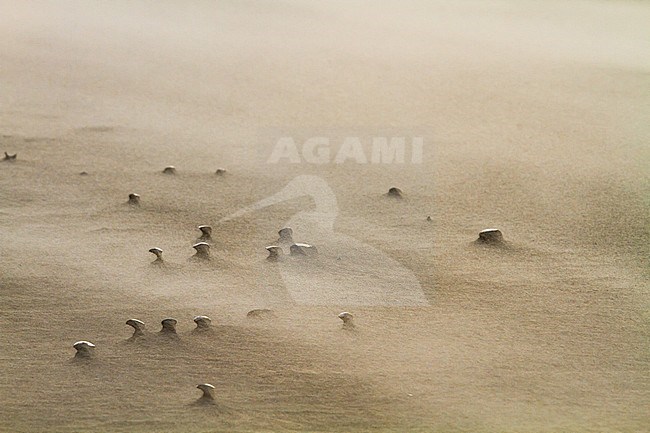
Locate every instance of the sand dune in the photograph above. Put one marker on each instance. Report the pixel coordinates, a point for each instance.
(534, 120)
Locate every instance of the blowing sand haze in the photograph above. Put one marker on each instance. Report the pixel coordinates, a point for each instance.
(396, 216)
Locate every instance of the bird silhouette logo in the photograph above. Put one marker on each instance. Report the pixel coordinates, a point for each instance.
(346, 271)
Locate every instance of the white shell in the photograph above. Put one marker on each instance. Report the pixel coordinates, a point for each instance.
(82, 344)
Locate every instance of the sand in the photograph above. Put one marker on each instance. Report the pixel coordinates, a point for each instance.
(533, 117)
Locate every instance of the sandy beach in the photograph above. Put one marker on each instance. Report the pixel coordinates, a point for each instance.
(529, 117)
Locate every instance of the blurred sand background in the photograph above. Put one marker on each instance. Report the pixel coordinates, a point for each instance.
(535, 120)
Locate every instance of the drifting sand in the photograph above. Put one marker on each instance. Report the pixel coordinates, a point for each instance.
(534, 118)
